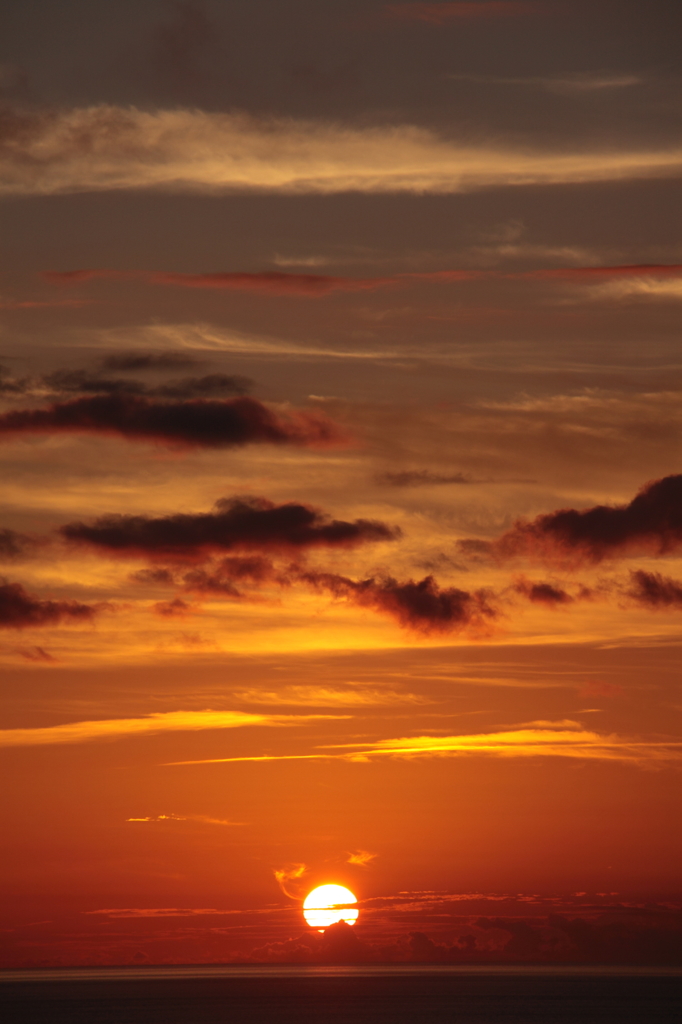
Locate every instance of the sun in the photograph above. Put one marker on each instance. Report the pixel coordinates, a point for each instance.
(328, 904)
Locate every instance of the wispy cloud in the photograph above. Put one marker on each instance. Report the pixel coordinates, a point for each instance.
(361, 858)
(201, 818)
(576, 84)
(564, 739)
(323, 696)
(106, 148)
(163, 721)
(289, 879)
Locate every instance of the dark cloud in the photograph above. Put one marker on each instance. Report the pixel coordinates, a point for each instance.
(223, 578)
(422, 606)
(192, 424)
(21, 610)
(203, 387)
(650, 524)
(12, 385)
(84, 382)
(138, 362)
(234, 524)
(652, 590)
(421, 478)
(543, 593)
(38, 654)
(13, 545)
(177, 608)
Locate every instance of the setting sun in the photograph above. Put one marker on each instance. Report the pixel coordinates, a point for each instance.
(328, 904)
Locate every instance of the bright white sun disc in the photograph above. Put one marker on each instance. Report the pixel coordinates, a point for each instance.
(328, 904)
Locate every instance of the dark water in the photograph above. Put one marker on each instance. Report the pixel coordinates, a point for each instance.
(343, 995)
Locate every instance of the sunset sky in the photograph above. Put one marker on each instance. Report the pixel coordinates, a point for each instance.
(341, 520)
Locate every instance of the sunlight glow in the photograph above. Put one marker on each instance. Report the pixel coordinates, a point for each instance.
(328, 904)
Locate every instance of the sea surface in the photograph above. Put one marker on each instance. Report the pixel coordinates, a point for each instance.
(390, 994)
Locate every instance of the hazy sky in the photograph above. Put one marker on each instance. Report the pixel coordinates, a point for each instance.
(341, 524)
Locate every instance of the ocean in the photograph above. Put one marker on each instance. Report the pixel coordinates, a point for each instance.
(376, 994)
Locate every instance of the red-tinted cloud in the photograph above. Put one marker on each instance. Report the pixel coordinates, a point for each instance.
(650, 524)
(652, 590)
(235, 524)
(268, 282)
(422, 606)
(191, 424)
(311, 285)
(21, 610)
(441, 14)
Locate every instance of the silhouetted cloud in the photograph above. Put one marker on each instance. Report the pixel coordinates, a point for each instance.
(21, 610)
(421, 478)
(177, 608)
(650, 524)
(652, 590)
(254, 524)
(14, 545)
(190, 424)
(422, 606)
(543, 593)
(138, 362)
(461, 10)
(85, 382)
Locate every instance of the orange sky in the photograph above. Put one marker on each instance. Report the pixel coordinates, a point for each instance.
(341, 523)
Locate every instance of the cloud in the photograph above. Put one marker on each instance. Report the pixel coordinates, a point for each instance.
(568, 740)
(564, 740)
(650, 524)
(421, 478)
(568, 85)
(543, 593)
(614, 282)
(361, 858)
(14, 545)
(270, 282)
(161, 721)
(21, 610)
(38, 654)
(651, 590)
(202, 818)
(422, 606)
(177, 608)
(289, 880)
(254, 524)
(190, 424)
(145, 912)
(105, 148)
(442, 13)
(85, 382)
(141, 361)
(325, 696)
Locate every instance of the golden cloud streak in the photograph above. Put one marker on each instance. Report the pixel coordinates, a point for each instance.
(104, 148)
(524, 742)
(165, 721)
